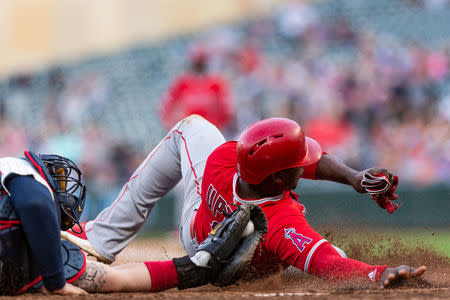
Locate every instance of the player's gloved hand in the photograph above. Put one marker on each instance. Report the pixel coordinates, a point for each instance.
(381, 186)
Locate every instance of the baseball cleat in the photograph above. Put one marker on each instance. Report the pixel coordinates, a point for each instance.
(79, 230)
(83, 244)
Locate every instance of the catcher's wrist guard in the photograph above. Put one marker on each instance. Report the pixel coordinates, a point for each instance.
(189, 274)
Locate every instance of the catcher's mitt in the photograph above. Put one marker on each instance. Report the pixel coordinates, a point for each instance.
(243, 254)
(229, 257)
(381, 188)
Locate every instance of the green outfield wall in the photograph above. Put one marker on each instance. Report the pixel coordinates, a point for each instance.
(329, 204)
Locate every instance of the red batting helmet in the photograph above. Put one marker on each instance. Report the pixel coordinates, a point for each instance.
(272, 145)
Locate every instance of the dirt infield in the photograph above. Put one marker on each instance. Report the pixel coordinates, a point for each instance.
(291, 283)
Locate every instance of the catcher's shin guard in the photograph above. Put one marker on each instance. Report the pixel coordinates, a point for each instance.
(85, 246)
(73, 259)
(74, 263)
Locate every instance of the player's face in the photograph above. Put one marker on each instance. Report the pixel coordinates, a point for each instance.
(290, 178)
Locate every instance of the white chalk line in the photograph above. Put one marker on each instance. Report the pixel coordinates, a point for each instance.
(327, 294)
(290, 294)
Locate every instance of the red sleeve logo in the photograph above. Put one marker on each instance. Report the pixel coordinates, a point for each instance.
(299, 240)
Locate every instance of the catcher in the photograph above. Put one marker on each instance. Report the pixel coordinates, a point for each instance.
(33, 257)
(39, 195)
(262, 168)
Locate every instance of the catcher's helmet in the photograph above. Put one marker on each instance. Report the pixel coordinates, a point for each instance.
(272, 145)
(64, 178)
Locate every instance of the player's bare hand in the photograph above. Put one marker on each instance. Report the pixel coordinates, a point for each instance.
(67, 289)
(393, 277)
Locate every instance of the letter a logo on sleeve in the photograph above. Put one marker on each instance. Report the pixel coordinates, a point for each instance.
(299, 240)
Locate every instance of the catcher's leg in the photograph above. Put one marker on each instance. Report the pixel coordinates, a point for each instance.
(180, 155)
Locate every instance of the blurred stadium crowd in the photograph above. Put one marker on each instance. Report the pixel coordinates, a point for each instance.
(370, 80)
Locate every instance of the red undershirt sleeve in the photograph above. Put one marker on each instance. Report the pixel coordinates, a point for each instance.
(309, 172)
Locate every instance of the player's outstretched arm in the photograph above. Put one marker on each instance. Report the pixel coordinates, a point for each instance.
(379, 182)
(329, 264)
(98, 277)
(332, 169)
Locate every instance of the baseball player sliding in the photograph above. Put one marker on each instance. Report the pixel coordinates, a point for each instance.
(262, 168)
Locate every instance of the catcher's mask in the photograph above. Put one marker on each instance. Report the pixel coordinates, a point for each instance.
(64, 178)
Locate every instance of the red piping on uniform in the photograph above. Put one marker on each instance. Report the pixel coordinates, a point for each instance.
(154, 151)
(190, 162)
(80, 272)
(9, 222)
(39, 278)
(27, 154)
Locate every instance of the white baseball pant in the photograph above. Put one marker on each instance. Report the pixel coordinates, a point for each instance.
(181, 155)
